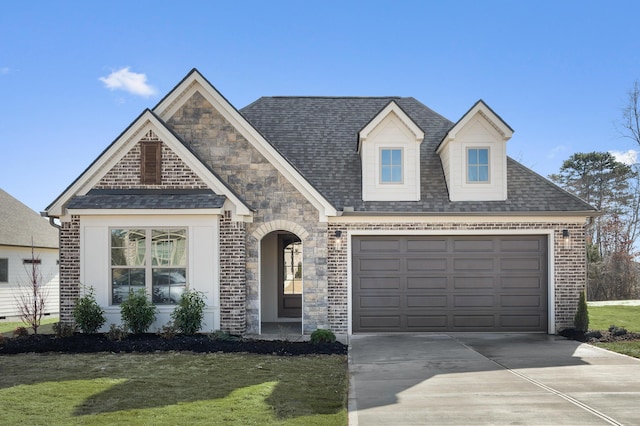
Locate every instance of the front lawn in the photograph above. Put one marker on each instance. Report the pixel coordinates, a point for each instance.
(46, 326)
(628, 317)
(173, 388)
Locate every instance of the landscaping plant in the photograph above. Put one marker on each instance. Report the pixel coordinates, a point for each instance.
(31, 299)
(322, 335)
(88, 314)
(581, 319)
(188, 315)
(138, 313)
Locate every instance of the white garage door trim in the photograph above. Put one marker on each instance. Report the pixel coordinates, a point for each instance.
(550, 266)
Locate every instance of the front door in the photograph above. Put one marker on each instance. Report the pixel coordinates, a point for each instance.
(289, 276)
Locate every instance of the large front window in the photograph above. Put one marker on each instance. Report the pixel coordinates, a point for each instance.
(391, 165)
(478, 165)
(149, 260)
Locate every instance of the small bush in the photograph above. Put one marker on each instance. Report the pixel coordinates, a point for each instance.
(617, 331)
(168, 331)
(187, 316)
(20, 332)
(88, 314)
(62, 329)
(581, 319)
(116, 333)
(2, 339)
(322, 336)
(223, 336)
(138, 313)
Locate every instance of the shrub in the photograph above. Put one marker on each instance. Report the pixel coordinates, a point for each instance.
(187, 316)
(322, 336)
(62, 329)
(224, 336)
(116, 333)
(20, 332)
(138, 313)
(581, 319)
(168, 331)
(617, 331)
(88, 314)
(2, 339)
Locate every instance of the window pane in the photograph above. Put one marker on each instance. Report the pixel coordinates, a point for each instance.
(128, 247)
(386, 157)
(396, 157)
(473, 174)
(473, 156)
(391, 166)
(386, 174)
(396, 174)
(169, 247)
(168, 285)
(483, 173)
(293, 268)
(125, 280)
(483, 156)
(4, 270)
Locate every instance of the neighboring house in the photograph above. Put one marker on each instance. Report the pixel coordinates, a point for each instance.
(357, 214)
(22, 229)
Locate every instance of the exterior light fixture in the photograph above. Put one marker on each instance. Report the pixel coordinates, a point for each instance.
(338, 243)
(566, 239)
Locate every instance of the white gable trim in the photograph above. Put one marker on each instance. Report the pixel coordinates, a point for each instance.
(391, 108)
(195, 82)
(487, 113)
(125, 142)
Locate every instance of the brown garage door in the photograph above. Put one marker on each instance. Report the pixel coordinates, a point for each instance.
(449, 283)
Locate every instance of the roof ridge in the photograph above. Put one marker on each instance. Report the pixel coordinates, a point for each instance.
(331, 97)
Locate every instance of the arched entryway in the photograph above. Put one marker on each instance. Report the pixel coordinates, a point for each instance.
(281, 283)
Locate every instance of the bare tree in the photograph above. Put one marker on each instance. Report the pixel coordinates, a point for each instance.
(629, 126)
(33, 293)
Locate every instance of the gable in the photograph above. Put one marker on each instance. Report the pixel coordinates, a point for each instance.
(120, 167)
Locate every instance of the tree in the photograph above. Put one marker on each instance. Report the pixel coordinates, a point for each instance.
(32, 295)
(602, 181)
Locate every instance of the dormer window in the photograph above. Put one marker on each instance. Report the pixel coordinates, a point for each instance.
(390, 165)
(478, 165)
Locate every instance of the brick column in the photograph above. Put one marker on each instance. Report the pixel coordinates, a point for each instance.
(232, 275)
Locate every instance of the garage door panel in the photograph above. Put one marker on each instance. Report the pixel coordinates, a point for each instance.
(449, 283)
(426, 265)
(382, 265)
(426, 301)
(473, 264)
(379, 302)
(379, 283)
(416, 283)
(473, 282)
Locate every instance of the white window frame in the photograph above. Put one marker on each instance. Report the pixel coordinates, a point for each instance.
(148, 264)
(391, 182)
(478, 148)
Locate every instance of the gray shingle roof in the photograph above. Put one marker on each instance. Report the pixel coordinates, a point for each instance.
(147, 199)
(18, 224)
(319, 136)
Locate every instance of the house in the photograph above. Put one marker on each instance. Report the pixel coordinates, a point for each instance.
(21, 230)
(356, 214)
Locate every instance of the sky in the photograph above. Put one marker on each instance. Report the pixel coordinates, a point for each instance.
(75, 74)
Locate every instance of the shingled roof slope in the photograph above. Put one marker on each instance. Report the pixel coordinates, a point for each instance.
(319, 136)
(19, 225)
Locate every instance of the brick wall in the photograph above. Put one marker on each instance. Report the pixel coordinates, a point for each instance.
(232, 276)
(69, 268)
(569, 264)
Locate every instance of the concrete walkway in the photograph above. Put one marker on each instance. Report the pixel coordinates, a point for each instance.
(489, 379)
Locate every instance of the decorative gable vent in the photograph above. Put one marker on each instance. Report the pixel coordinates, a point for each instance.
(151, 163)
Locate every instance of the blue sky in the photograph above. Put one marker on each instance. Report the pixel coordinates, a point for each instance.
(73, 74)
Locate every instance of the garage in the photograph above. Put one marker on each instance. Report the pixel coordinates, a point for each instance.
(449, 283)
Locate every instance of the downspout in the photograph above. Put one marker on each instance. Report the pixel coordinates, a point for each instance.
(59, 228)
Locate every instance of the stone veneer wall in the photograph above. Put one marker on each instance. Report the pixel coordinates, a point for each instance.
(570, 267)
(272, 197)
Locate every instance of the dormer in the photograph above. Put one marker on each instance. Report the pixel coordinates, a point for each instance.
(474, 156)
(389, 148)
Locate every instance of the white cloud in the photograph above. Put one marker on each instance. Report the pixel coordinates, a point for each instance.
(129, 81)
(556, 151)
(627, 157)
(4, 70)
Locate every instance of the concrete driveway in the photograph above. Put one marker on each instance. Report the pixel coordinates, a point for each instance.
(489, 379)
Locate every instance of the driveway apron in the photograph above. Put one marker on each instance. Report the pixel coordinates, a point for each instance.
(489, 379)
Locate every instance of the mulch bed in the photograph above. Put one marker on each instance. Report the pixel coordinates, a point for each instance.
(595, 336)
(145, 343)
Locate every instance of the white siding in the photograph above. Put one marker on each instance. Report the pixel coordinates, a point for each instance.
(391, 133)
(477, 133)
(19, 277)
(202, 254)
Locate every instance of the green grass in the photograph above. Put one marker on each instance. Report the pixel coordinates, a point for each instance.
(173, 388)
(45, 326)
(601, 317)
